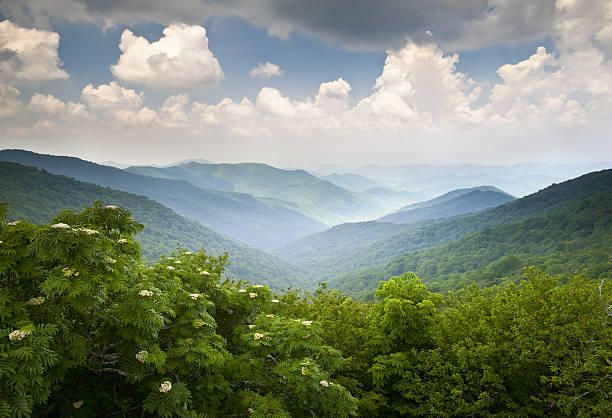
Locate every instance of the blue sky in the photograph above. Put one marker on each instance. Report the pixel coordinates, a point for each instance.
(347, 82)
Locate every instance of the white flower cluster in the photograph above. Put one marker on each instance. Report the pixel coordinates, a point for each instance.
(304, 371)
(141, 356)
(145, 293)
(87, 231)
(111, 207)
(242, 291)
(252, 295)
(274, 301)
(270, 315)
(324, 383)
(258, 286)
(169, 258)
(165, 387)
(307, 323)
(258, 336)
(69, 272)
(122, 240)
(61, 226)
(178, 262)
(251, 411)
(169, 268)
(204, 273)
(13, 223)
(19, 334)
(194, 296)
(77, 405)
(36, 301)
(251, 326)
(110, 260)
(188, 252)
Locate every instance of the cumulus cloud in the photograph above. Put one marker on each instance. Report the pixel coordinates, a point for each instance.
(265, 70)
(28, 55)
(355, 24)
(179, 60)
(419, 87)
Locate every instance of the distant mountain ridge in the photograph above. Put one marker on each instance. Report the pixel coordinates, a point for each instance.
(316, 198)
(456, 202)
(37, 196)
(256, 221)
(354, 246)
(572, 233)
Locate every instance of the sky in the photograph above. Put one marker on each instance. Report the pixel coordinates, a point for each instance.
(299, 83)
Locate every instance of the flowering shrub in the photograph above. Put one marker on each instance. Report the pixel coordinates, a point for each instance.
(80, 310)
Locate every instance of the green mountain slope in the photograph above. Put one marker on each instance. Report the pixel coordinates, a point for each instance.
(38, 196)
(457, 202)
(255, 221)
(353, 246)
(563, 241)
(305, 193)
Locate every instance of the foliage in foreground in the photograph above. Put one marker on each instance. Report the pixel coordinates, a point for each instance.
(78, 311)
(86, 329)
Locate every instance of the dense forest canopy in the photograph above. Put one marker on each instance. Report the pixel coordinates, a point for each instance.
(80, 309)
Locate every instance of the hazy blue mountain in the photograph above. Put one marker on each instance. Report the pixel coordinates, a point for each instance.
(303, 192)
(350, 181)
(335, 251)
(570, 228)
(255, 221)
(517, 179)
(456, 202)
(38, 196)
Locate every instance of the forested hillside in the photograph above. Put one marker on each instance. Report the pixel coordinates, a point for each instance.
(338, 250)
(563, 240)
(457, 202)
(259, 222)
(37, 196)
(310, 195)
(80, 311)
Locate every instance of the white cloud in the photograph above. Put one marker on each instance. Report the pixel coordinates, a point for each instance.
(265, 70)
(179, 60)
(111, 96)
(419, 87)
(28, 55)
(9, 102)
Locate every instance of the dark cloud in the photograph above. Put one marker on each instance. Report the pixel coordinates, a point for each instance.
(353, 24)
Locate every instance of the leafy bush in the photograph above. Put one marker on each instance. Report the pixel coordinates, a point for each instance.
(86, 328)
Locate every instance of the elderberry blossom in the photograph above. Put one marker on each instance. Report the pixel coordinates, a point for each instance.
(251, 326)
(36, 301)
(88, 231)
(62, 226)
(258, 336)
(204, 273)
(145, 293)
(242, 291)
(270, 315)
(122, 240)
(194, 296)
(77, 405)
(111, 207)
(19, 334)
(165, 387)
(141, 356)
(307, 323)
(258, 286)
(252, 295)
(169, 268)
(324, 383)
(274, 301)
